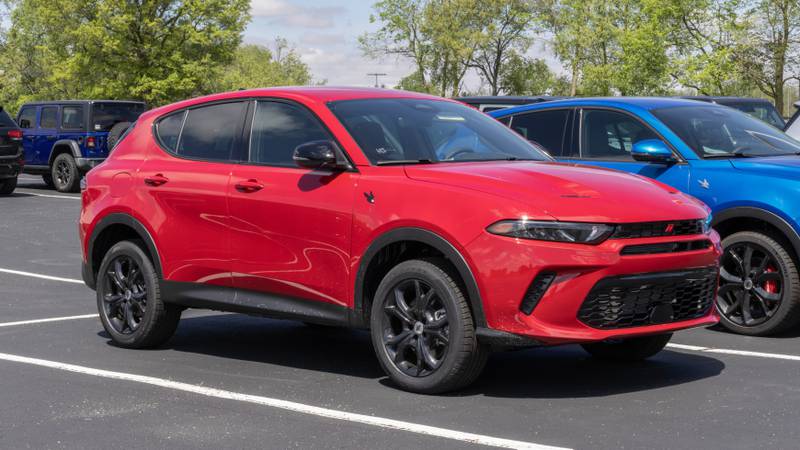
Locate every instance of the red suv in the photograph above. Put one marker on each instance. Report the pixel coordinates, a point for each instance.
(419, 218)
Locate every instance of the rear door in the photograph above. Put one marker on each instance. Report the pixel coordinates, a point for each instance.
(546, 128)
(605, 137)
(26, 119)
(72, 125)
(291, 226)
(184, 185)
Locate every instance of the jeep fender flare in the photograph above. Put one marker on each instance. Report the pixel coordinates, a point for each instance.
(425, 237)
(749, 212)
(119, 219)
(74, 148)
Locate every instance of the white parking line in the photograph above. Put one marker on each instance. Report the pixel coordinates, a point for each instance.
(50, 195)
(285, 405)
(38, 275)
(725, 351)
(50, 319)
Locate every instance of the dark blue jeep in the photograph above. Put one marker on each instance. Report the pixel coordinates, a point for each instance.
(63, 139)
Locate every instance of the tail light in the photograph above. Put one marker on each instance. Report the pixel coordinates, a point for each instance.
(15, 135)
(90, 142)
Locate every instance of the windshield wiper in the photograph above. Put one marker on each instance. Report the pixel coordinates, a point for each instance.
(403, 161)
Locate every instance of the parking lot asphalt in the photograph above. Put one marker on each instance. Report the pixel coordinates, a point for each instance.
(234, 381)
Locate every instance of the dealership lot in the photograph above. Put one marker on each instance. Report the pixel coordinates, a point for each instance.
(229, 380)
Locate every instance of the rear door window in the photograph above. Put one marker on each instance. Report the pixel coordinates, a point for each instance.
(27, 117)
(49, 117)
(210, 132)
(545, 128)
(169, 130)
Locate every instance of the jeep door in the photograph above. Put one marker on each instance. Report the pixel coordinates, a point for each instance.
(291, 226)
(45, 135)
(26, 119)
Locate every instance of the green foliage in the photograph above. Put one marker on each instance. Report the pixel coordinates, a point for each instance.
(255, 66)
(531, 76)
(158, 51)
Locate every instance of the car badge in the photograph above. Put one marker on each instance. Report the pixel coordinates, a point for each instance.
(704, 183)
(670, 228)
(369, 196)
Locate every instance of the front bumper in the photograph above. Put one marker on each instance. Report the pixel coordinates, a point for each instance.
(506, 267)
(87, 164)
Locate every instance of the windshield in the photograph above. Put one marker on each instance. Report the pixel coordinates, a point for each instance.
(403, 131)
(760, 110)
(713, 131)
(106, 115)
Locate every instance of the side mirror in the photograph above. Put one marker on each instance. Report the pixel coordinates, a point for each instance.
(652, 150)
(322, 154)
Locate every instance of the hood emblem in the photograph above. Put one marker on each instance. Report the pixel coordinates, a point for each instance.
(704, 183)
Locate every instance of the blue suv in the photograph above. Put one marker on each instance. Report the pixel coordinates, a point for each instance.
(747, 171)
(61, 140)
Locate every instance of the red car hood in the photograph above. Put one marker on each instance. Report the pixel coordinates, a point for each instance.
(567, 192)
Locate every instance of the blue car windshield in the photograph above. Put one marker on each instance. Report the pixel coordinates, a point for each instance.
(406, 131)
(720, 132)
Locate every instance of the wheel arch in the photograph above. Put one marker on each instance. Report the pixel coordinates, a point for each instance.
(745, 217)
(411, 235)
(109, 230)
(64, 146)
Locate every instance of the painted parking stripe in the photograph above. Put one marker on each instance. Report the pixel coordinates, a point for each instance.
(50, 195)
(38, 275)
(49, 319)
(725, 351)
(285, 405)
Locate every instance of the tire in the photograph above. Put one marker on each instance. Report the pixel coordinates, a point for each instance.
(770, 290)
(65, 173)
(115, 133)
(628, 350)
(120, 303)
(445, 331)
(8, 185)
(48, 180)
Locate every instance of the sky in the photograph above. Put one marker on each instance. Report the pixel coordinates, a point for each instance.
(325, 34)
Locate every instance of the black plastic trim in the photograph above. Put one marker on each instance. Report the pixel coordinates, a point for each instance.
(428, 238)
(748, 212)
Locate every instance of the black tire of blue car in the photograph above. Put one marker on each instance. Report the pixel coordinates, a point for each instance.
(628, 350)
(48, 180)
(115, 133)
(64, 172)
(7, 185)
(759, 293)
(422, 329)
(129, 299)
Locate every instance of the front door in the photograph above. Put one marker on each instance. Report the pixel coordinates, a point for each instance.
(290, 227)
(45, 135)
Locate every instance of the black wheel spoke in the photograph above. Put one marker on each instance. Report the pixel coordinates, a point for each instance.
(427, 356)
(764, 294)
(394, 340)
(747, 261)
(399, 355)
(124, 299)
(768, 276)
(738, 261)
(438, 334)
(729, 277)
(420, 359)
(397, 312)
(747, 315)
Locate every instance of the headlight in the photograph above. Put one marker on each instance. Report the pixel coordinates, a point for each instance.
(581, 233)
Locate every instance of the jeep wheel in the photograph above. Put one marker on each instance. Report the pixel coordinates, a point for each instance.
(65, 173)
(8, 185)
(48, 180)
(759, 291)
(115, 133)
(628, 350)
(129, 299)
(422, 329)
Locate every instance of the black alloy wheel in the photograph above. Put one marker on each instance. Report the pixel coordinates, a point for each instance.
(415, 328)
(751, 285)
(65, 173)
(125, 299)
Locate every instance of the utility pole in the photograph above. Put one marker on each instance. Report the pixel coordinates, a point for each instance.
(376, 75)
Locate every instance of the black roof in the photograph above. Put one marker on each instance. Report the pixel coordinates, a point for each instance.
(79, 102)
(508, 99)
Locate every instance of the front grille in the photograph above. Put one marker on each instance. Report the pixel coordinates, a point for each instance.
(658, 229)
(666, 247)
(649, 299)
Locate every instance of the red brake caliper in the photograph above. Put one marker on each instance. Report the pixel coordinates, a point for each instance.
(772, 285)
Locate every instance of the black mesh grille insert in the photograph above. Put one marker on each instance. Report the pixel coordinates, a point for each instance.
(649, 299)
(535, 291)
(657, 229)
(666, 247)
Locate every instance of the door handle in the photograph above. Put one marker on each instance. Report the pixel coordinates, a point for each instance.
(156, 180)
(249, 186)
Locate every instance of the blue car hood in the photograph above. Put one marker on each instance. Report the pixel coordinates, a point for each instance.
(783, 166)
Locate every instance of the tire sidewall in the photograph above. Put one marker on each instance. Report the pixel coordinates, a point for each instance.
(74, 175)
(432, 275)
(8, 185)
(127, 248)
(786, 268)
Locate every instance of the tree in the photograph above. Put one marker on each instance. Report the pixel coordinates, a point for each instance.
(154, 50)
(256, 66)
(507, 28)
(531, 76)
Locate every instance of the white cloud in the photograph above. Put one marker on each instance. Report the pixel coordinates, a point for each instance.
(284, 13)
